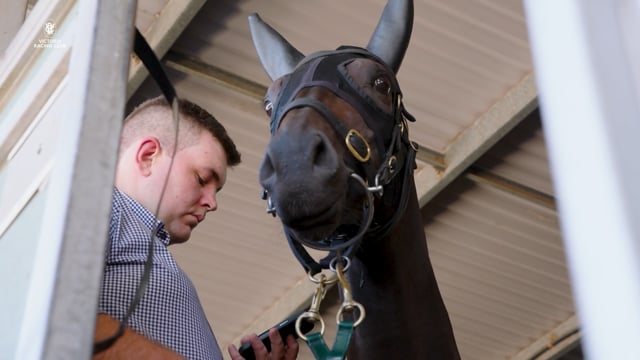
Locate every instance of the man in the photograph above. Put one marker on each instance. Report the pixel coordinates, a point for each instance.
(177, 177)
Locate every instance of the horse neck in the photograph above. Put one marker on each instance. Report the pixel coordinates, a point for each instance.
(395, 258)
(394, 281)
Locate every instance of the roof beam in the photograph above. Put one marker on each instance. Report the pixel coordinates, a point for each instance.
(482, 176)
(555, 343)
(490, 127)
(199, 69)
(161, 35)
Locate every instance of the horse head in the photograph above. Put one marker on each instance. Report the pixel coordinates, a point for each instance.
(339, 133)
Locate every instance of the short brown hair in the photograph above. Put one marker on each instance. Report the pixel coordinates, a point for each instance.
(196, 118)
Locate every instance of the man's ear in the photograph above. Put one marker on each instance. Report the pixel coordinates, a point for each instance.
(148, 150)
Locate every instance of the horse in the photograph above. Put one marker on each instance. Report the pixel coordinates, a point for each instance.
(338, 172)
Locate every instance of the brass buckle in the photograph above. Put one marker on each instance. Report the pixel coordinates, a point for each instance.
(353, 150)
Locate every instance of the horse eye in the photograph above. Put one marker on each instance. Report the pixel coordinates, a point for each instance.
(382, 86)
(268, 106)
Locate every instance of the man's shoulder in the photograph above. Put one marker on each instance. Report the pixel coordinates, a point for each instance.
(127, 233)
(125, 207)
(131, 229)
(118, 207)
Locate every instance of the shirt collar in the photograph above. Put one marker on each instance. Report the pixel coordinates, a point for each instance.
(146, 217)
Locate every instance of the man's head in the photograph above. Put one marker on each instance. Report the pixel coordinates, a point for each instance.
(203, 151)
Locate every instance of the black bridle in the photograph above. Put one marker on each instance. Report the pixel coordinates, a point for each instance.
(392, 140)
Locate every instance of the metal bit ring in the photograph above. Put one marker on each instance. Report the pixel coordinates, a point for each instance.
(309, 316)
(350, 307)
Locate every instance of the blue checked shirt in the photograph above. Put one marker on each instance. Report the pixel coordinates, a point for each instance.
(170, 311)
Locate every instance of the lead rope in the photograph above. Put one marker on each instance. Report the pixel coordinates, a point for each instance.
(315, 340)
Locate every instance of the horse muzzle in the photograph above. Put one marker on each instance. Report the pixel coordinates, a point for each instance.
(305, 179)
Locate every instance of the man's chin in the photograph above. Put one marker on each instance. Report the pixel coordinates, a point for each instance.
(178, 241)
(179, 237)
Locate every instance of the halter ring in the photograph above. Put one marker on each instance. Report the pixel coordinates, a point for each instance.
(309, 316)
(376, 188)
(334, 261)
(350, 307)
(270, 208)
(323, 279)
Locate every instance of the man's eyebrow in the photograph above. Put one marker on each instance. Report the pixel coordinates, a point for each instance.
(215, 176)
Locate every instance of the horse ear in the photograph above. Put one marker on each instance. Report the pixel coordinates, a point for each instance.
(277, 56)
(391, 37)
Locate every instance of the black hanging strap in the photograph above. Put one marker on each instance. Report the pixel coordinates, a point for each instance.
(145, 53)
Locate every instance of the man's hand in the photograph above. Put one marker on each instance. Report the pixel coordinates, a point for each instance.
(130, 345)
(279, 350)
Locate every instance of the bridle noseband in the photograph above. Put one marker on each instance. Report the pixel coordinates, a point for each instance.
(392, 140)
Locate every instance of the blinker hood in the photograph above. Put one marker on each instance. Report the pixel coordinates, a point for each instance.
(389, 40)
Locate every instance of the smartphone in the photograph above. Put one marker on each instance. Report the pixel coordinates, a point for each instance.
(285, 327)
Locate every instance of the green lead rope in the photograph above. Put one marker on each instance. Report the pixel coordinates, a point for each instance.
(339, 351)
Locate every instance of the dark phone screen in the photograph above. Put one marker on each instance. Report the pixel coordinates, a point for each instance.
(285, 327)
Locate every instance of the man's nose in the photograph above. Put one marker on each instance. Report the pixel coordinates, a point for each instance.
(210, 201)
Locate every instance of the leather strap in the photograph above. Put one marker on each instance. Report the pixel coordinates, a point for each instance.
(340, 345)
(152, 63)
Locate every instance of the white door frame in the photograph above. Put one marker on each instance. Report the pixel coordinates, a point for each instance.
(587, 65)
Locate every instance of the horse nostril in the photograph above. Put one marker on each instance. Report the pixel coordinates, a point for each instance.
(267, 170)
(318, 154)
(322, 154)
(292, 154)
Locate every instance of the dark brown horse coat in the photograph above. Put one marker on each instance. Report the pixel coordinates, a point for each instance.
(339, 135)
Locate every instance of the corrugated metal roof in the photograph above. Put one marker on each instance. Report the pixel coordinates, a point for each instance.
(493, 233)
